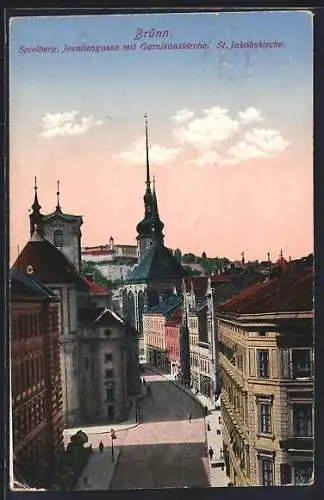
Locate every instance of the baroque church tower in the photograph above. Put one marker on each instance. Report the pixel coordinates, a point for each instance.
(150, 228)
(61, 229)
(36, 217)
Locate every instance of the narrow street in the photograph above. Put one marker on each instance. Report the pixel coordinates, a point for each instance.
(166, 449)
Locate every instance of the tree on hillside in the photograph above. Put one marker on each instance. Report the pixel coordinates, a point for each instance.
(192, 272)
(189, 258)
(89, 267)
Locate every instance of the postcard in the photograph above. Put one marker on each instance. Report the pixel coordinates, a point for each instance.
(161, 250)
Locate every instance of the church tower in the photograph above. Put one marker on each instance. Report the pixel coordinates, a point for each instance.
(150, 228)
(63, 231)
(36, 218)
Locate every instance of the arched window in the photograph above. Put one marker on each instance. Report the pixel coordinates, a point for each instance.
(58, 238)
(131, 309)
(141, 302)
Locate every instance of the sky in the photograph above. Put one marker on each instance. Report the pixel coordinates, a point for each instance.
(230, 128)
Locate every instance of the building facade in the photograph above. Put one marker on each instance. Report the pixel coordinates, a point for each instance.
(266, 362)
(172, 345)
(156, 342)
(194, 350)
(35, 379)
(47, 262)
(108, 358)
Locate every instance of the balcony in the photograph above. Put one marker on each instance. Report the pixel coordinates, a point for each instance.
(297, 443)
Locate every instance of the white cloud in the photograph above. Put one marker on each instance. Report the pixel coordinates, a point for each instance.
(259, 143)
(66, 124)
(205, 159)
(214, 127)
(158, 154)
(243, 151)
(251, 114)
(267, 139)
(183, 116)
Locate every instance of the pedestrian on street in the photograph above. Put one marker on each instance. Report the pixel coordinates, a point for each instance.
(101, 446)
(189, 417)
(208, 426)
(211, 453)
(206, 410)
(219, 420)
(90, 447)
(144, 381)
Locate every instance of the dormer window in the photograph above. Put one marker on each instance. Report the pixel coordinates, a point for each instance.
(58, 238)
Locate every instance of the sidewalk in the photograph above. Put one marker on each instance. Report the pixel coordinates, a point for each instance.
(214, 440)
(99, 471)
(104, 428)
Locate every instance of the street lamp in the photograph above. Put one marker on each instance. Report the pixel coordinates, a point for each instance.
(113, 436)
(137, 411)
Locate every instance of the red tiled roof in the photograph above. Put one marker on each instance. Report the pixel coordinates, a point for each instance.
(287, 293)
(221, 278)
(95, 288)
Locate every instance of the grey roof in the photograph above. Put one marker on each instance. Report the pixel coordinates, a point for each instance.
(48, 264)
(158, 265)
(61, 215)
(103, 316)
(24, 285)
(167, 306)
(237, 285)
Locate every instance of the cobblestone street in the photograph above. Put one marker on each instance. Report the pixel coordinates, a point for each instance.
(166, 449)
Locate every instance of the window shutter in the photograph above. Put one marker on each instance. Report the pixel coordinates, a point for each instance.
(285, 474)
(285, 363)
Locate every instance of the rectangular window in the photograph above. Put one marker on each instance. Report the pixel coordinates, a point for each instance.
(265, 418)
(110, 393)
(303, 420)
(109, 373)
(266, 472)
(301, 363)
(108, 356)
(263, 363)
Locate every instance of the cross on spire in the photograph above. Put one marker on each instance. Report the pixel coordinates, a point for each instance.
(58, 207)
(35, 206)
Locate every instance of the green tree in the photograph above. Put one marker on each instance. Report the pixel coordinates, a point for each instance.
(189, 258)
(79, 439)
(192, 272)
(89, 267)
